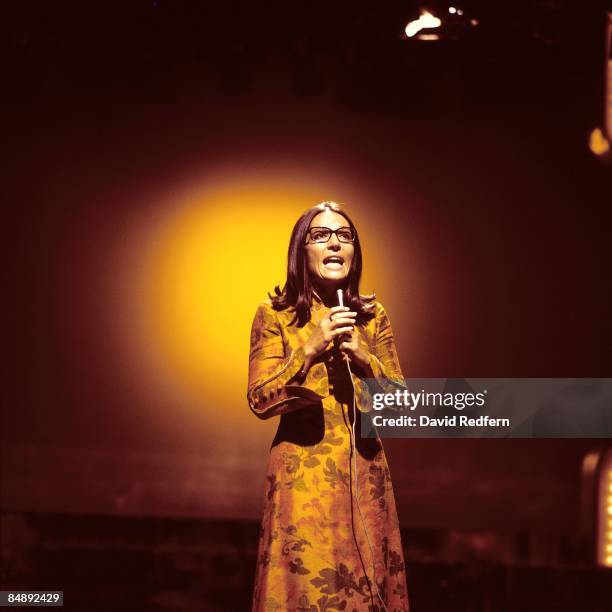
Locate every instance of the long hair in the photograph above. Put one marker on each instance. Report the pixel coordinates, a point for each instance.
(297, 292)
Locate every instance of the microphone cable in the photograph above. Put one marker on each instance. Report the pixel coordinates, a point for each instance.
(354, 454)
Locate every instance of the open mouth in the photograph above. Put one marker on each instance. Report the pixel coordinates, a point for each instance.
(333, 261)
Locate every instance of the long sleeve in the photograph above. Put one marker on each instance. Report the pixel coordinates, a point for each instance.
(275, 386)
(384, 362)
(386, 371)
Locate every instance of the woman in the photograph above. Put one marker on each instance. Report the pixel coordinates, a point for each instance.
(329, 537)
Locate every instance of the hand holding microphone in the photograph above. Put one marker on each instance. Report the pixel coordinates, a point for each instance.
(350, 344)
(340, 320)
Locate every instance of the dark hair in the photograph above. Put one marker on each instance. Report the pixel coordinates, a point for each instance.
(298, 291)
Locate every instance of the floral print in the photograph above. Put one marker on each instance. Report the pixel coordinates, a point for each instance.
(329, 537)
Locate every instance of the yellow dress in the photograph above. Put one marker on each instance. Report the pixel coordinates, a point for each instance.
(325, 536)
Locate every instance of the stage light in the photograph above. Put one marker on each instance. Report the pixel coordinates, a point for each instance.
(598, 143)
(597, 505)
(600, 138)
(425, 21)
(604, 531)
(452, 10)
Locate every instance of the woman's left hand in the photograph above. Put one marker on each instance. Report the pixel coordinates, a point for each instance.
(356, 349)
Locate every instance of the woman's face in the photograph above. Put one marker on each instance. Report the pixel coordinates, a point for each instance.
(328, 262)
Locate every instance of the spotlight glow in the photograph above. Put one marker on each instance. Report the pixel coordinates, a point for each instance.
(206, 263)
(426, 20)
(192, 270)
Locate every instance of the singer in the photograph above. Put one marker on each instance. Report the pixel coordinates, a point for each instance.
(329, 537)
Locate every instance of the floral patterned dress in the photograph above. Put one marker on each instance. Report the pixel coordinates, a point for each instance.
(327, 533)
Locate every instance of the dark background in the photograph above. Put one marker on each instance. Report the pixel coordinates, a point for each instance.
(477, 146)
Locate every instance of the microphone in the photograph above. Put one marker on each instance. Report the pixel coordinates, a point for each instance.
(337, 340)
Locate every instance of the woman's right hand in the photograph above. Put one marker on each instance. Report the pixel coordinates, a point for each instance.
(339, 320)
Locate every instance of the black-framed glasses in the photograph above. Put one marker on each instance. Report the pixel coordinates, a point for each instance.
(323, 234)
